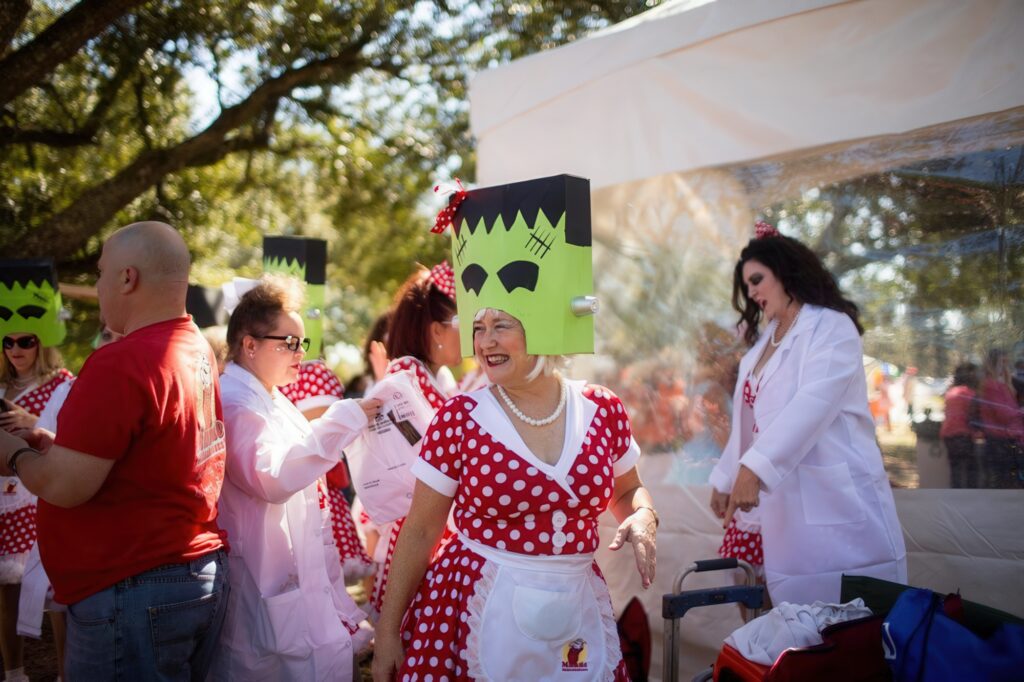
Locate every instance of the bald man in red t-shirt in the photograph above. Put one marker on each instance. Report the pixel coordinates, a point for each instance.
(128, 490)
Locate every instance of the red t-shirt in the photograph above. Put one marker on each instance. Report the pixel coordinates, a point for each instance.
(152, 403)
(958, 412)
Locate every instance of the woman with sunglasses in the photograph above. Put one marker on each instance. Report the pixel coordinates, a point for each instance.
(29, 374)
(423, 337)
(289, 616)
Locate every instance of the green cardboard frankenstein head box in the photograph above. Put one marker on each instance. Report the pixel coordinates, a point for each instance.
(30, 300)
(306, 259)
(525, 248)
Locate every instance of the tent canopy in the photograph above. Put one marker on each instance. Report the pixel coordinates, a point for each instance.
(694, 84)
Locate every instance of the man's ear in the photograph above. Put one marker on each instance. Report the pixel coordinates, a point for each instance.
(129, 279)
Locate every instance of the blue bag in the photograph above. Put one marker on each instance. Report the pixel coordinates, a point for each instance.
(922, 643)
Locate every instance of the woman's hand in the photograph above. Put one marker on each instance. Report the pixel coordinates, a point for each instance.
(719, 503)
(17, 417)
(370, 407)
(641, 529)
(387, 656)
(745, 494)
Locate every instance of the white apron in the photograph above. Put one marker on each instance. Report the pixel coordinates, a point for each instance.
(540, 618)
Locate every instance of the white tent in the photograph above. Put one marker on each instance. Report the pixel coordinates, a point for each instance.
(690, 117)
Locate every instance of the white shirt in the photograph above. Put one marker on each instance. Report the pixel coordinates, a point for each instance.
(288, 608)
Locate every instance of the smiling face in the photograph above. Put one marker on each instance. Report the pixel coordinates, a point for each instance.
(765, 289)
(22, 359)
(271, 361)
(499, 344)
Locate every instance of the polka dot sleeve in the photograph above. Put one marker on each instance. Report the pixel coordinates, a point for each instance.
(440, 459)
(625, 451)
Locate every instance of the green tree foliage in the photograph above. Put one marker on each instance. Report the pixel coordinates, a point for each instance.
(331, 119)
(933, 252)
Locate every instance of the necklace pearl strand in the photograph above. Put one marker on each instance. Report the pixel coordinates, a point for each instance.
(530, 420)
(775, 344)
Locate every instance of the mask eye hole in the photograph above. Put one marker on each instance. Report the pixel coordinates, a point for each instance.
(519, 274)
(30, 312)
(6, 313)
(473, 278)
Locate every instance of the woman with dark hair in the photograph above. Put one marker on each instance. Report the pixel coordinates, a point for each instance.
(802, 447)
(958, 428)
(423, 337)
(289, 616)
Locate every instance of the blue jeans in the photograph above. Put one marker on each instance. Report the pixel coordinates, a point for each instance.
(161, 624)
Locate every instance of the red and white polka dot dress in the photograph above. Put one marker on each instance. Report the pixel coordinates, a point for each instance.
(435, 395)
(742, 538)
(317, 386)
(509, 502)
(18, 515)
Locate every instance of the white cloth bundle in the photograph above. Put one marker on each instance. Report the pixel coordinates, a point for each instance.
(787, 626)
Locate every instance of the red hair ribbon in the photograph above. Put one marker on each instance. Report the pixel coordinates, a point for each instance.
(447, 214)
(443, 277)
(763, 230)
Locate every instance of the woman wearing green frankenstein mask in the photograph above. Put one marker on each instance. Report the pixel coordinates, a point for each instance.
(31, 370)
(525, 467)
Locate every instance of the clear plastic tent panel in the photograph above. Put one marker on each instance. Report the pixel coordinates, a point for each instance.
(924, 231)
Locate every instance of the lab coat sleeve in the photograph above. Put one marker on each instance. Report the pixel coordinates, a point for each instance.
(724, 474)
(271, 467)
(833, 359)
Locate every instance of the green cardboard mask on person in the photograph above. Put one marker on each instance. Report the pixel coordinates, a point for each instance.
(306, 259)
(30, 301)
(525, 248)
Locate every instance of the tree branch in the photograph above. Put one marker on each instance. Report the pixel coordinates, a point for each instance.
(34, 61)
(84, 135)
(12, 15)
(66, 232)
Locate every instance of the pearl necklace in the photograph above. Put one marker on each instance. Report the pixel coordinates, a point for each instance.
(530, 420)
(775, 344)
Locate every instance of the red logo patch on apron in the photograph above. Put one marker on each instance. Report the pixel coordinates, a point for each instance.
(574, 656)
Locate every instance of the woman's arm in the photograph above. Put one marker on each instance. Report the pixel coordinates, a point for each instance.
(268, 464)
(420, 534)
(633, 508)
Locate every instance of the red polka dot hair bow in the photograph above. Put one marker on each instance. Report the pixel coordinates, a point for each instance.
(763, 230)
(443, 277)
(447, 214)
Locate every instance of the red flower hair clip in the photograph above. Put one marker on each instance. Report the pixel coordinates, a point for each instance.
(443, 277)
(763, 230)
(446, 215)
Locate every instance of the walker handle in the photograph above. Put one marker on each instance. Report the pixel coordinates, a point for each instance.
(715, 564)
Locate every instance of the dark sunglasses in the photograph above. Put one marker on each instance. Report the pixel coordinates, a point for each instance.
(24, 342)
(292, 343)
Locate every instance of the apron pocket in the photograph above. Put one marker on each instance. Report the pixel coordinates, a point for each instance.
(545, 615)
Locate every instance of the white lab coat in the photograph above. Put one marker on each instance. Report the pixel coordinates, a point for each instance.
(288, 608)
(826, 505)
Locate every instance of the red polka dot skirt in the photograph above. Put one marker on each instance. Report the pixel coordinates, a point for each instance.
(740, 544)
(17, 535)
(354, 559)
